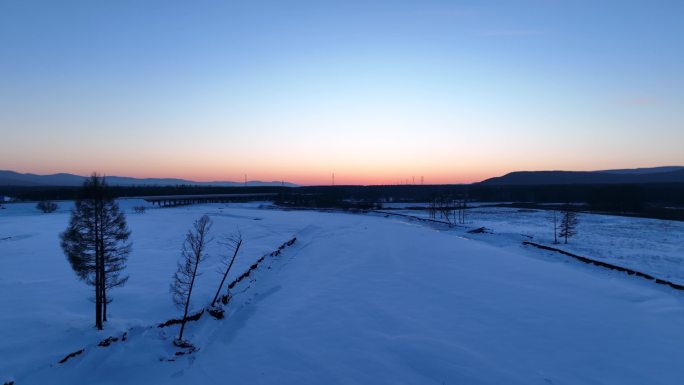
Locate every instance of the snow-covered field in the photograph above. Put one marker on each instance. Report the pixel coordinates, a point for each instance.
(358, 299)
(652, 246)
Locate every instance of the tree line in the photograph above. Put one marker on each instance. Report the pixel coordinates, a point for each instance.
(650, 200)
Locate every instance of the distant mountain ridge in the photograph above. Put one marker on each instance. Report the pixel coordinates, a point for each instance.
(12, 178)
(666, 174)
(646, 170)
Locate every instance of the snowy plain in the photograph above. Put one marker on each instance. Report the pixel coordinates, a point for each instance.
(357, 299)
(648, 245)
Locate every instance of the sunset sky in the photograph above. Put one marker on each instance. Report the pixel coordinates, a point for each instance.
(374, 91)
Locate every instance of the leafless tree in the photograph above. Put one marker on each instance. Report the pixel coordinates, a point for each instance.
(554, 219)
(568, 224)
(47, 206)
(459, 207)
(432, 208)
(232, 244)
(193, 253)
(444, 207)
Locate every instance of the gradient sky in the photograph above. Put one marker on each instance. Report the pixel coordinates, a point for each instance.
(374, 91)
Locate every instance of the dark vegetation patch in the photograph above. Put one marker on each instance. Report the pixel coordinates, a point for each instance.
(175, 321)
(480, 230)
(216, 312)
(110, 340)
(71, 355)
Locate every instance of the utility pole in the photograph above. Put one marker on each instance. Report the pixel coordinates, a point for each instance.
(413, 178)
(421, 180)
(333, 179)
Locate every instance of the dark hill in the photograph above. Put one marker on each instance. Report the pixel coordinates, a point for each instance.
(586, 177)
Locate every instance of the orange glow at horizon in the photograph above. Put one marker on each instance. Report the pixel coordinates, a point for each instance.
(386, 159)
(317, 176)
(342, 177)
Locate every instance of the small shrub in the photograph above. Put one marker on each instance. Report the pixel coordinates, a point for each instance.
(139, 209)
(47, 206)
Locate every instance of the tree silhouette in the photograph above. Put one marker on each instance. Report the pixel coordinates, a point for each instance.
(568, 224)
(233, 244)
(192, 254)
(96, 242)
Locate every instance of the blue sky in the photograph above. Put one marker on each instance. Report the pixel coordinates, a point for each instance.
(375, 91)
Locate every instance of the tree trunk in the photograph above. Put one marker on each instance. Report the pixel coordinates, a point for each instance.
(187, 302)
(555, 228)
(99, 212)
(103, 275)
(98, 307)
(225, 275)
(98, 295)
(98, 273)
(104, 300)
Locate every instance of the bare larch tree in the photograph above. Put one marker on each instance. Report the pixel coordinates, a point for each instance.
(432, 208)
(463, 205)
(96, 242)
(568, 224)
(47, 206)
(193, 253)
(233, 244)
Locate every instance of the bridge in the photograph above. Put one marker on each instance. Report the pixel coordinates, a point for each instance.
(178, 200)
